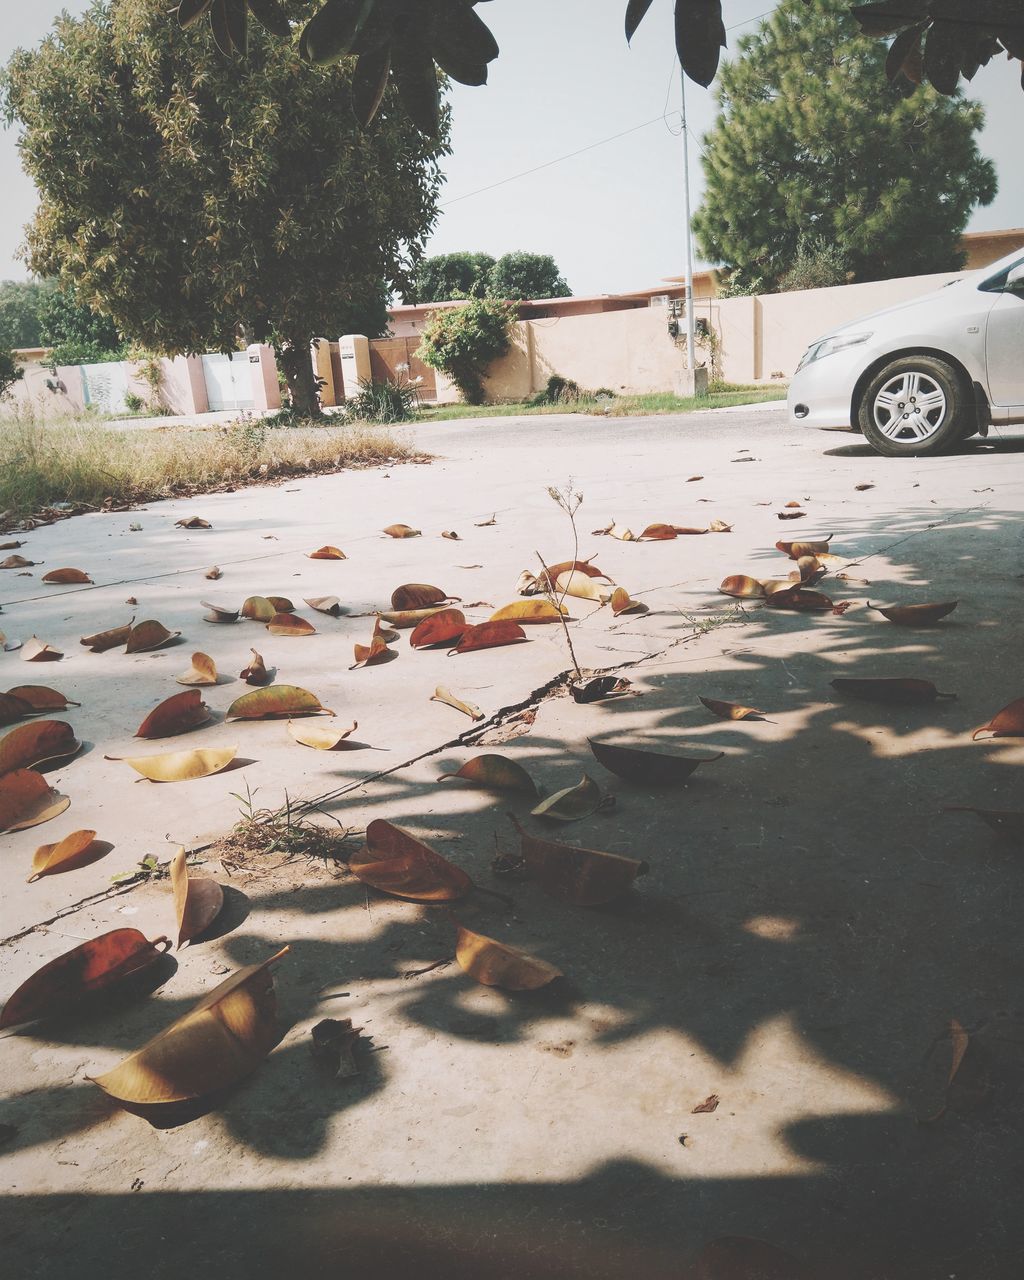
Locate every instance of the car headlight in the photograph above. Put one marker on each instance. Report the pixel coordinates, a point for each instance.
(829, 346)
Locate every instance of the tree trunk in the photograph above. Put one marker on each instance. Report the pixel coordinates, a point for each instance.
(302, 383)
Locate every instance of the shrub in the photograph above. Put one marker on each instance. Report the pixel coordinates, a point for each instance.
(561, 391)
(817, 265)
(133, 403)
(394, 400)
(464, 341)
(9, 372)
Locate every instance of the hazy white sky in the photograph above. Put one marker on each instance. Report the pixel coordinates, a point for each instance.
(566, 80)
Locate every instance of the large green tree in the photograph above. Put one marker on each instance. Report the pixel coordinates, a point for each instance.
(451, 275)
(527, 275)
(811, 143)
(22, 304)
(184, 193)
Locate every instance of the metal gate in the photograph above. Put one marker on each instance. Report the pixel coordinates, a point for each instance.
(228, 381)
(386, 354)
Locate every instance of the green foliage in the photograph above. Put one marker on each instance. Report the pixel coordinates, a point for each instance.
(182, 192)
(463, 341)
(394, 400)
(817, 265)
(133, 403)
(738, 283)
(77, 333)
(811, 142)
(21, 302)
(9, 371)
(451, 275)
(527, 275)
(561, 390)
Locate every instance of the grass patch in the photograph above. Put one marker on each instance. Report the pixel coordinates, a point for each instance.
(84, 464)
(721, 396)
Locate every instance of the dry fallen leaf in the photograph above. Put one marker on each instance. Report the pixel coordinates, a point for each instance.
(219, 612)
(258, 609)
(322, 737)
(202, 671)
(63, 577)
(30, 745)
(614, 530)
(798, 598)
(197, 899)
(180, 766)
(944, 1061)
(79, 849)
(445, 627)
(861, 487)
(451, 535)
(11, 546)
(395, 862)
(375, 652)
(732, 710)
(790, 515)
(719, 526)
(281, 604)
(797, 549)
(405, 618)
(648, 768)
(112, 639)
(177, 714)
(660, 533)
(529, 612)
(417, 595)
(279, 702)
(16, 562)
(897, 690)
(325, 604)
(582, 877)
(496, 964)
(290, 624)
(532, 585)
(220, 1041)
(915, 615)
(13, 709)
(441, 694)
(691, 479)
(742, 587)
(41, 698)
(494, 773)
(193, 522)
(1008, 723)
(489, 635)
(1008, 823)
(583, 586)
(598, 688)
(213, 573)
(573, 803)
(328, 553)
(149, 635)
(256, 672)
(401, 531)
(622, 602)
(79, 979)
(27, 799)
(35, 650)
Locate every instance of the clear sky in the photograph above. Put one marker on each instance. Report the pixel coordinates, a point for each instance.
(566, 80)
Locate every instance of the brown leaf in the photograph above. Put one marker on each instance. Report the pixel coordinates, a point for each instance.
(797, 549)
(27, 799)
(35, 650)
(16, 562)
(328, 553)
(220, 1041)
(792, 504)
(282, 604)
(375, 652)
(732, 710)
(529, 612)
(744, 1258)
(197, 899)
(219, 612)
(258, 609)
(325, 604)
(489, 635)
(496, 964)
(13, 709)
(62, 577)
(598, 688)
(861, 487)
(582, 877)
(112, 639)
(1008, 823)
(916, 615)
(81, 978)
(896, 690)
(614, 530)
(180, 766)
(573, 803)
(213, 573)
(1008, 723)
(451, 535)
(710, 1104)
(494, 773)
(649, 768)
(30, 745)
(742, 587)
(289, 624)
(149, 635)
(405, 618)
(395, 862)
(417, 595)
(193, 522)
(322, 737)
(682, 529)
(549, 578)
(482, 524)
(79, 849)
(944, 1060)
(256, 672)
(622, 602)
(41, 698)
(790, 515)
(11, 546)
(443, 628)
(658, 533)
(809, 570)
(401, 531)
(800, 599)
(690, 479)
(279, 702)
(202, 671)
(176, 714)
(441, 694)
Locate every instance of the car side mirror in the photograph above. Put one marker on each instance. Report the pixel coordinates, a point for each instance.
(1015, 279)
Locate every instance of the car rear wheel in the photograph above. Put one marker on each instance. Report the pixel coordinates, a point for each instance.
(915, 406)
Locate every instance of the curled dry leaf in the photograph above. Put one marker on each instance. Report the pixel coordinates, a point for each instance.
(529, 612)
(790, 515)
(282, 604)
(417, 595)
(219, 612)
(1008, 723)
(13, 709)
(691, 479)
(451, 535)
(176, 714)
(810, 570)
(896, 690)
(27, 799)
(622, 602)
(479, 524)
(614, 530)
(793, 504)
(289, 624)
(41, 698)
(202, 671)
(649, 768)
(30, 745)
(256, 672)
(213, 573)
(401, 531)
(376, 651)
(63, 577)
(719, 526)
(79, 849)
(573, 803)
(441, 694)
(660, 533)
(681, 529)
(445, 627)
(531, 585)
(11, 545)
(180, 766)
(944, 1060)
(193, 522)
(112, 639)
(915, 615)
(328, 553)
(406, 618)
(220, 1041)
(35, 650)
(80, 978)
(600, 687)
(197, 899)
(258, 609)
(742, 587)
(732, 710)
(1008, 823)
(797, 549)
(322, 737)
(149, 635)
(278, 702)
(583, 586)
(582, 877)
(325, 604)
(494, 773)
(496, 964)
(798, 598)
(489, 635)
(744, 1258)
(16, 562)
(395, 862)
(334, 1043)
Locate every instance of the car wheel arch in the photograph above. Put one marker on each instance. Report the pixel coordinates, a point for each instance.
(936, 353)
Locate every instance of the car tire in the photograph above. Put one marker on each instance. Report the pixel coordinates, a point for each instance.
(916, 406)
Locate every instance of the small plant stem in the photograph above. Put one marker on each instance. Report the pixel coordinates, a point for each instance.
(561, 616)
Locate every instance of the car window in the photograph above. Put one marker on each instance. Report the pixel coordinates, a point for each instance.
(995, 283)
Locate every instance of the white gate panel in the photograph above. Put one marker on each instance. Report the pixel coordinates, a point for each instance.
(105, 386)
(228, 381)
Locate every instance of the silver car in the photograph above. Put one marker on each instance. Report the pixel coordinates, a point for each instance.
(921, 377)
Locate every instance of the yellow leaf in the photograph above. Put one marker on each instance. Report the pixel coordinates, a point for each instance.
(496, 964)
(180, 766)
(197, 899)
(79, 849)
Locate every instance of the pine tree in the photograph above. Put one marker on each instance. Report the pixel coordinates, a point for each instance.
(812, 143)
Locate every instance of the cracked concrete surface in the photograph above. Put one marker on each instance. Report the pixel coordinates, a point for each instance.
(811, 922)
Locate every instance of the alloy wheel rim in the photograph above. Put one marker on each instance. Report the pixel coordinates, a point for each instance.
(909, 408)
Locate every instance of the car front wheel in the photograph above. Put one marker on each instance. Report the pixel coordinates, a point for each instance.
(915, 406)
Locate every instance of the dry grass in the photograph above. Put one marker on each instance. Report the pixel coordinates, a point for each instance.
(85, 464)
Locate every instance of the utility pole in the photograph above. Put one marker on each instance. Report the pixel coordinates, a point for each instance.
(691, 358)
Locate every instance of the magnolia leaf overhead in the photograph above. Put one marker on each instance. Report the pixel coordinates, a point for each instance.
(64, 577)
(573, 803)
(322, 737)
(1008, 723)
(441, 694)
(36, 650)
(278, 702)
(27, 799)
(31, 745)
(895, 690)
(177, 714)
(197, 899)
(180, 766)
(79, 849)
(494, 772)
(397, 863)
(582, 877)
(203, 671)
(646, 767)
(915, 615)
(149, 635)
(112, 639)
(496, 964)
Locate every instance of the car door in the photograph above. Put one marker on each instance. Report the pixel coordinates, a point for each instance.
(1004, 351)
